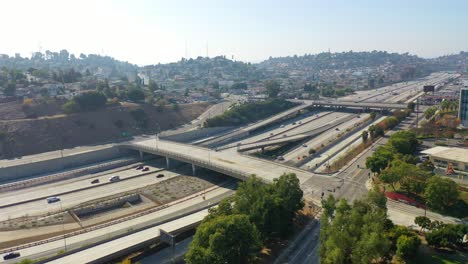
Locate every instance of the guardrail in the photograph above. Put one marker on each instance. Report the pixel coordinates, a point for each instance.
(64, 175)
(120, 220)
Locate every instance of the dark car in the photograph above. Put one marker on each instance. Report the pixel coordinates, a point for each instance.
(11, 255)
(145, 169)
(159, 175)
(139, 167)
(95, 181)
(53, 199)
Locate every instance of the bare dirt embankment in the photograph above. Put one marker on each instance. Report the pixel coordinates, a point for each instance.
(21, 135)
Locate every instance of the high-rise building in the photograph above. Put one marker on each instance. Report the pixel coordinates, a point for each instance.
(463, 106)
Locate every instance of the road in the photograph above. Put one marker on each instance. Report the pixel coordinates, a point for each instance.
(305, 248)
(176, 208)
(130, 179)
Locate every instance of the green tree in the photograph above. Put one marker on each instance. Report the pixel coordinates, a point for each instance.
(287, 193)
(375, 131)
(353, 234)
(441, 193)
(272, 88)
(447, 235)
(407, 246)
(445, 105)
(423, 222)
(225, 239)
(411, 106)
(428, 166)
(135, 95)
(90, 101)
(429, 113)
(140, 117)
(71, 107)
(10, 89)
(404, 142)
(380, 159)
(152, 85)
(373, 115)
(365, 135)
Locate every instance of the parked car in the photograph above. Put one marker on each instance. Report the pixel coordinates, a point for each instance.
(281, 158)
(139, 167)
(95, 181)
(53, 199)
(145, 169)
(11, 255)
(114, 178)
(337, 129)
(160, 175)
(281, 126)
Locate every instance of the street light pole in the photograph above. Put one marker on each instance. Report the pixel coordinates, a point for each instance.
(63, 226)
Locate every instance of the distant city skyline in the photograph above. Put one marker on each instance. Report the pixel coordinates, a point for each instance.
(149, 32)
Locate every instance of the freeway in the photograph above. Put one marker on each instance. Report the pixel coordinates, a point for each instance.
(282, 128)
(99, 253)
(394, 93)
(73, 193)
(174, 210)
(295, 155)
(335, 152)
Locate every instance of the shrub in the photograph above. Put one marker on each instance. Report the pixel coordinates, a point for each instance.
(71, 107)
(90, 101)
(407, 246)
(140, 117)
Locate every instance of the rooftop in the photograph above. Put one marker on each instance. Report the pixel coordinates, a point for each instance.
(448, 153)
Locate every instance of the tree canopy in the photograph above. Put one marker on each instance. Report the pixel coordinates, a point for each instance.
(224, 239)
(441, 193)
(272, 88)
(354, 233)
(265, 210)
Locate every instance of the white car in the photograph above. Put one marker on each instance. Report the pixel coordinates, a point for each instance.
(114, 178)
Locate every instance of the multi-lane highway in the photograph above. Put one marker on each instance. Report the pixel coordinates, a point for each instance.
(349, 183)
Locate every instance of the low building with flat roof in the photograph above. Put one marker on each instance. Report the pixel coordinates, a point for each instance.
(443, 156)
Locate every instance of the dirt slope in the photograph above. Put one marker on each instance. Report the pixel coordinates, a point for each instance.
(29, 136)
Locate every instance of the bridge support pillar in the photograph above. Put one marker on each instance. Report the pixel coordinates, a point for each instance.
(141, 154)
(168, 163)
(194, 170)
(263, 150)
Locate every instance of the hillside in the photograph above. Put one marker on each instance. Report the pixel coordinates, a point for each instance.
(24, 136)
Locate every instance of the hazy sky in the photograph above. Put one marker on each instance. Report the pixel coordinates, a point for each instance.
(148, 32)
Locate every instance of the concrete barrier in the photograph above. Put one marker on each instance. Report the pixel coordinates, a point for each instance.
(66, 175)
(106, 205)
(34, 168)
(197, 134)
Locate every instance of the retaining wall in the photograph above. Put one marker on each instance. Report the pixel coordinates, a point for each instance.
(36, 168)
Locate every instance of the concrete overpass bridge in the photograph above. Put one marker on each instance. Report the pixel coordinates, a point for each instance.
(228, 162)
(287, 139)
(245, 131)
(351, 104)
(304, 104)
